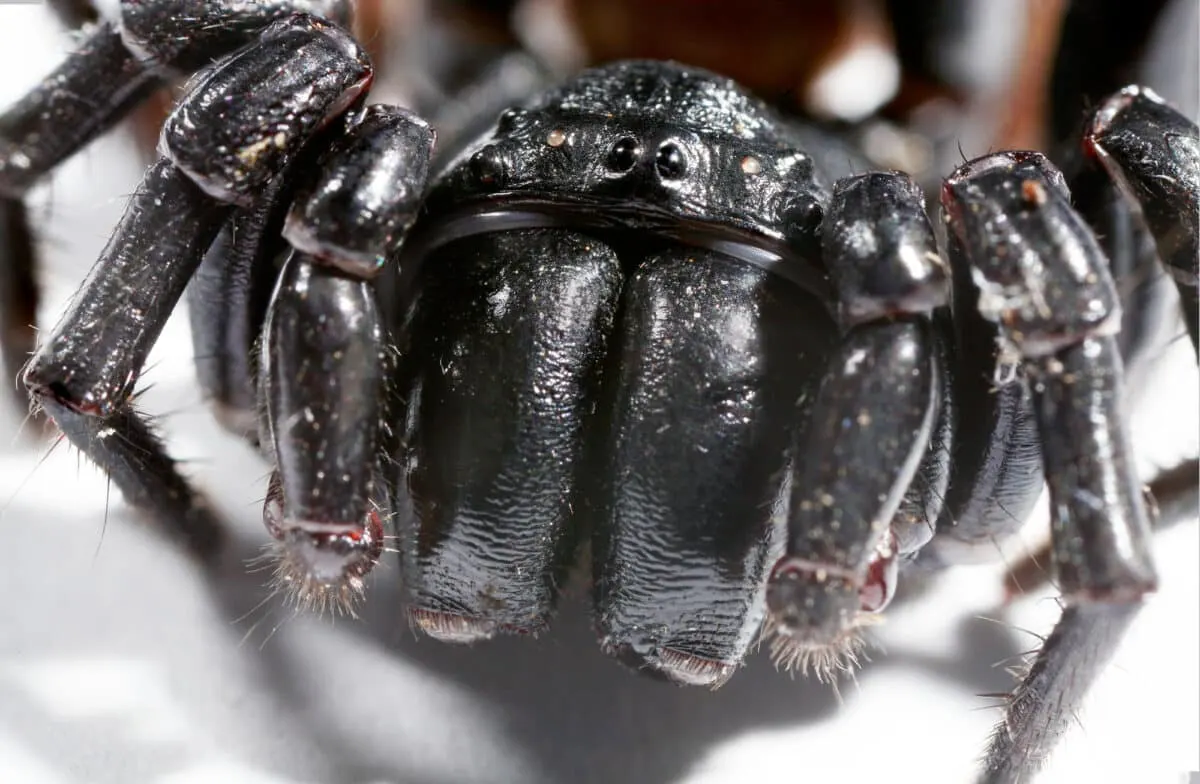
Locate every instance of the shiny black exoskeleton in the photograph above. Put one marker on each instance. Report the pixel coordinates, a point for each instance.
(645, 313)
(618, 306)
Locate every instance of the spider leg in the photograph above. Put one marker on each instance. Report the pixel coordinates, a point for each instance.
(90, 361)
(323, 363)
(19, 293)
(227, 306)
(79, 101)
(1173, 497)
(1152, 152)
(83, 375)
(115, 68)
(868, 431)
(125, 446)
(1044, 281)
(1046, 701)
(89, 364)
(1106, 44)
(92, 88)
(322, 367)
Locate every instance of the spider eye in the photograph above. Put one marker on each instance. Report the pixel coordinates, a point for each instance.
(623, 155)
(486, 165)
(670, 162)
(510, 119)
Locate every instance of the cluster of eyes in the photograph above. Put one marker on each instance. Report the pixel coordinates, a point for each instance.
(670, 161)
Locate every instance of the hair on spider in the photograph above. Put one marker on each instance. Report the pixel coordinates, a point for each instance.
(304, 588)
(827, 662)
(300, 589)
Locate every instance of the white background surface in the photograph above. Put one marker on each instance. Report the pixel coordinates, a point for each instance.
(120, 663)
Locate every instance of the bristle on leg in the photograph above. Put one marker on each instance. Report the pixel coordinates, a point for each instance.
(826, 661)
(320, 567)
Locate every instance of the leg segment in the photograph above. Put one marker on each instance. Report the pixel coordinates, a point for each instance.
(187, 35)
(322, 379)
(1057, 306)
(1103, 44)
(869, 428)
(1044, 281)
(93, 88)
(91, 359)
(1172, 497)
(227, 306)
(90, 362)
(1099, 528)
(302, 75)
(19, 293)
(1047, 699)
(126, 448)
(118, 65)
(115, 68)
(1153, 153)
(323, 361)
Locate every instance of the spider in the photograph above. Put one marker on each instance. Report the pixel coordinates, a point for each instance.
(582, 336)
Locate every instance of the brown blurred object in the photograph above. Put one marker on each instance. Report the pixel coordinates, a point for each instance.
(787, 52)
(1023, 120)
(776, 48)
(146, 121)
(371, 27)
(73, 14)
(379, 24)
(484, 22)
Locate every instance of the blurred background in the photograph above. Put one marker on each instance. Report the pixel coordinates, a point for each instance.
(120, 661)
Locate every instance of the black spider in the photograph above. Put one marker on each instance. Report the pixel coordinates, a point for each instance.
(644, 310)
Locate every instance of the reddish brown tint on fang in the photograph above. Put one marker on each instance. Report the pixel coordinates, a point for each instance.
(883, 573)
(335, 553)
